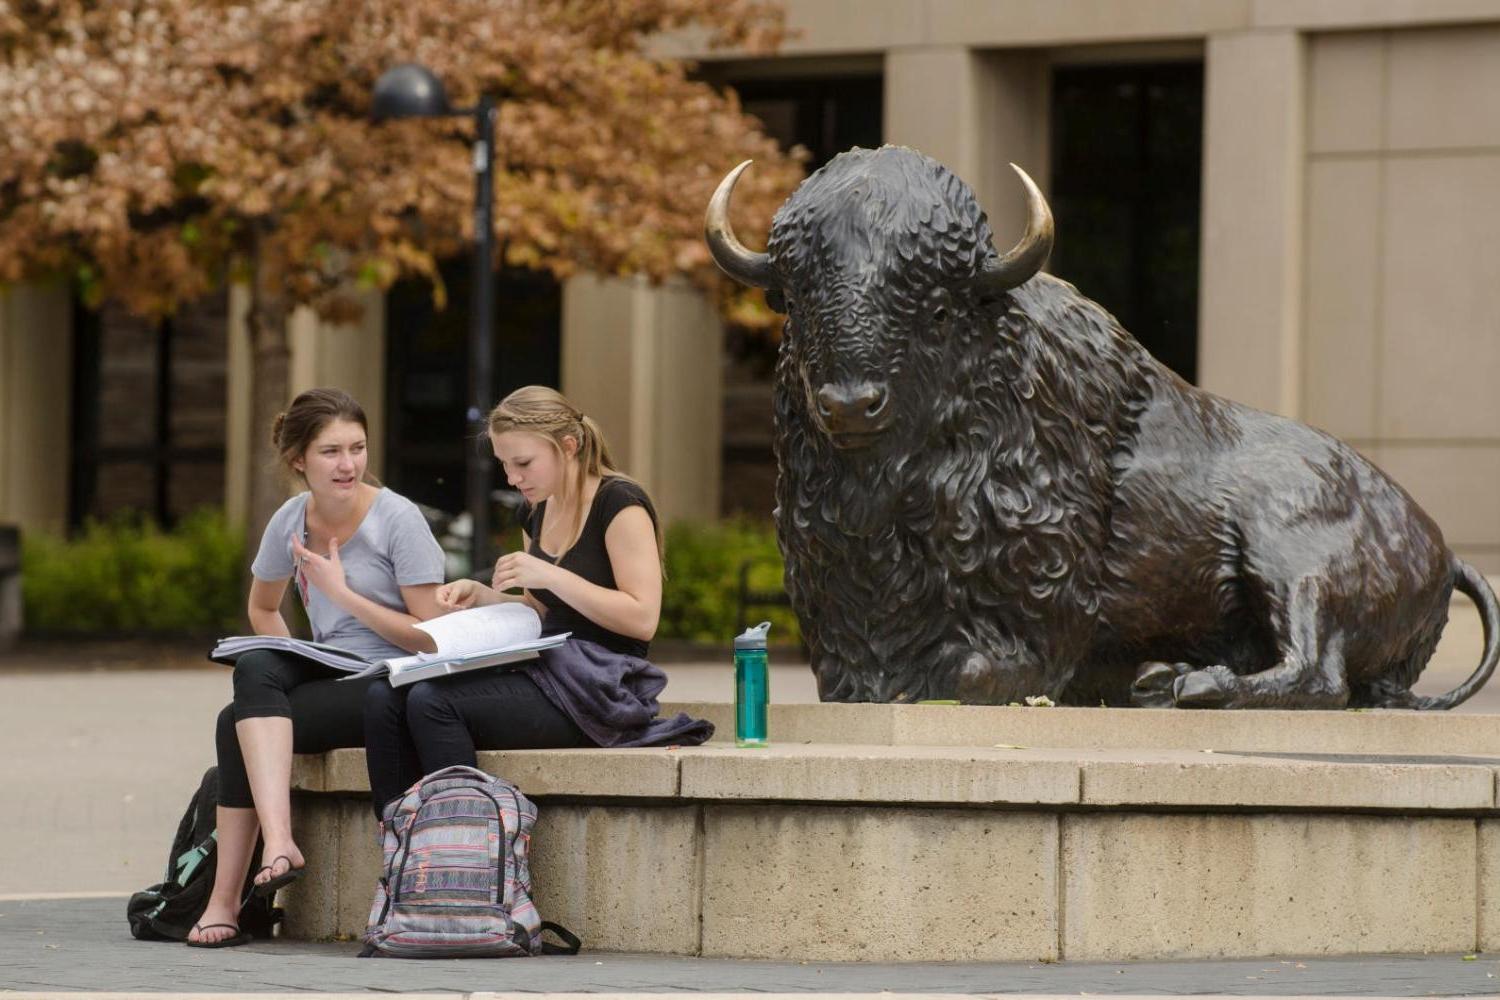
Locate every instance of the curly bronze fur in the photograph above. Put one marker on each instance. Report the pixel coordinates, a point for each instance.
(989, 496)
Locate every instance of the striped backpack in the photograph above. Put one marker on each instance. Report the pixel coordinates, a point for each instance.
(456, 882)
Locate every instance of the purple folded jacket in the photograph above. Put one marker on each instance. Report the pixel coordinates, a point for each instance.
(612, 696)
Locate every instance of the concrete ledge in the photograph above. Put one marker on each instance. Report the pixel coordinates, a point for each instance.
(1488, 877)
(1142, 886)
(649, 773)
(841, 883)
(968, 776)
(1359, 731)
(1015, 850)
(848, 773)
(1233, 781)
(622, 879)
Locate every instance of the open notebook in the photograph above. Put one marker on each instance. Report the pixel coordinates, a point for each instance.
(466, 640)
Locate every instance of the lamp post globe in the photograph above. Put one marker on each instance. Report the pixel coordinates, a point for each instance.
(410, 90)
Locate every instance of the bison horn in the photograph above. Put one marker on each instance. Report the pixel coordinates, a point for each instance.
(1000, 274)
(733, 259)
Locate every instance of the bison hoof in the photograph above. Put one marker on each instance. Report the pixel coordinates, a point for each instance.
(1209, 688)
(978, 680)
(1153, 684)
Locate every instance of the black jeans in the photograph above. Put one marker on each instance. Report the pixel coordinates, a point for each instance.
(415, 730)
(326, 712)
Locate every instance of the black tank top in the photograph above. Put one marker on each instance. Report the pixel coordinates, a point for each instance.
(589, 559)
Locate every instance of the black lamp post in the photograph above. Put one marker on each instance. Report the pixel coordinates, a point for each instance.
(413, 91)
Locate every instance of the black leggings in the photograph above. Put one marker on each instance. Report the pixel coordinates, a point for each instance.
(412, 731)
(326, 712)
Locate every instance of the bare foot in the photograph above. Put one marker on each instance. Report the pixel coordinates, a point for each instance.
(277, 860)
(227, 916)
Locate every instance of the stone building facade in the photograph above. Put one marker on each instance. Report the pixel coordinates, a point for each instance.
(1323, 242)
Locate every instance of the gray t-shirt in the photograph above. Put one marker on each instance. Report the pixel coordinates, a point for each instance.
(392, 548)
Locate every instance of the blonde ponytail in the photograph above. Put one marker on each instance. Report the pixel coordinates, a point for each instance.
(545, 412)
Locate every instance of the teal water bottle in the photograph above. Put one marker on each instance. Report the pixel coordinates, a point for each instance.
(752, 686)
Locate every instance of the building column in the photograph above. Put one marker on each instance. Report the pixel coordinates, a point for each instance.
(36, 397)
(975, 113)
(647, 364)
(1249, 340)
(348, 356)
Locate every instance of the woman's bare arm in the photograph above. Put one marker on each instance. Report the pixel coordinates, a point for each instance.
(326, 572)
(264, 608)
(396, 627)
(633, 608)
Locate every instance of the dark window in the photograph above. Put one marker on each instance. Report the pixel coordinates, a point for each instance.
(148, 412)
(1127, 151)
(427, 376)
(826, 116)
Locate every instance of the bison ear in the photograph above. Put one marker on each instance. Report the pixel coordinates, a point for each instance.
(776, 300)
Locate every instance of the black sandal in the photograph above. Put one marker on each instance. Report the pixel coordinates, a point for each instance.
(238, 938)
(270, 885)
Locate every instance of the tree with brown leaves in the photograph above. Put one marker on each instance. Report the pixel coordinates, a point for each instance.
(150, 149)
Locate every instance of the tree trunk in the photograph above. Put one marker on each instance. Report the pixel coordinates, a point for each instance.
(269, 395)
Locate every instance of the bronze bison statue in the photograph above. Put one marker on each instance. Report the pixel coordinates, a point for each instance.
(989, 490)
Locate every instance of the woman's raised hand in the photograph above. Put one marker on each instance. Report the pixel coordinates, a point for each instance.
(324, 572)
(521, 569)
(461, 594)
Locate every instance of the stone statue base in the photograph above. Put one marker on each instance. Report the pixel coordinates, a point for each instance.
(937, 833)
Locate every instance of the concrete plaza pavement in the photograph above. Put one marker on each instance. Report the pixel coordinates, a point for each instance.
(83, 945)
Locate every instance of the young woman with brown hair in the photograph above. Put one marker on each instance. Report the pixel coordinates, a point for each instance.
(367, 568)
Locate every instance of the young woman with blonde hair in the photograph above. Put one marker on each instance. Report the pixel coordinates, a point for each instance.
(591, 565)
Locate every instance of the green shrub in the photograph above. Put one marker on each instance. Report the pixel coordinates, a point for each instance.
(701, 594)
(125, 576)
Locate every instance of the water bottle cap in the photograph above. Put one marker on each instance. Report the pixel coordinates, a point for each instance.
(753, 637)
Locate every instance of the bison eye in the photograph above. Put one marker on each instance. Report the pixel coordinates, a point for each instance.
(940, 314)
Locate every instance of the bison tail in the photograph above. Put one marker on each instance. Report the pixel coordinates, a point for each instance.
(1469, 581)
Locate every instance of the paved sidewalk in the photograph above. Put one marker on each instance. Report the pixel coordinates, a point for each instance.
(60, 945)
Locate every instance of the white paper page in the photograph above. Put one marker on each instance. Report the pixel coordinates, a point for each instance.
(493, 626)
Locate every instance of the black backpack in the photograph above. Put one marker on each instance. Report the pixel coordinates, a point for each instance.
(168, 910)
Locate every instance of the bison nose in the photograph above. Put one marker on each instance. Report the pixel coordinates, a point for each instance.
(858, 408)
